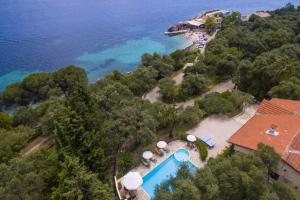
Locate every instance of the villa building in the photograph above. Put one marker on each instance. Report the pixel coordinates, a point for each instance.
(277, 124)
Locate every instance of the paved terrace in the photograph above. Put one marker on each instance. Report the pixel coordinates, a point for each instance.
(173, 146)
(220, 128)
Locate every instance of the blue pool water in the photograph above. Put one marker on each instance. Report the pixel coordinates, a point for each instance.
(165, 170)
(98, 35)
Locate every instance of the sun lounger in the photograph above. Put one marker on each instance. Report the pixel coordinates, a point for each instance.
(207, 140)
(210, 143)
(158, 151)
(204, 138)
(153, 159)
(145, 163)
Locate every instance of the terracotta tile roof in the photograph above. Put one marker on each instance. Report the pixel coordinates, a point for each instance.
(279, 113)
(254, 131)
(291, 105)
(266, 107)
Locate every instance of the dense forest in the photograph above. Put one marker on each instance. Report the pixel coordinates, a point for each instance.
(99, 129)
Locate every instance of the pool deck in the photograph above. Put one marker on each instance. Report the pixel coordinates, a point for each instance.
(173, 146)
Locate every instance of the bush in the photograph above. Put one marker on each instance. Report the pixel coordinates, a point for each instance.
(126, 161)
(193, 84)
(227, 103)
(180, 134)
(190, 116)
(202, 149)
(13, 140)
(229, 151)
(167, 90)
(5, 121)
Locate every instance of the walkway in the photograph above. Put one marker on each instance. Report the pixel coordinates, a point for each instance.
(154, 95)
(221, 87)
(37, 143)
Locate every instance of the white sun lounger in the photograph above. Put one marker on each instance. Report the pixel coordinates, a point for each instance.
(208, 140)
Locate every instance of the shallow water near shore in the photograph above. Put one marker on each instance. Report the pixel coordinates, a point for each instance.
(97, 35)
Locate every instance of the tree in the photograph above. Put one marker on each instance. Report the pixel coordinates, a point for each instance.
(207, 184)
(209, 24)
(284, 191)
(287, 89)
(30, 177)
(75, 181)
(193, 84)
(169, 119)
(167, 90)
(69, 76)
(185, 190)
(142, 80)
(190, 116)
(198, 68)
(12, 141)
(269, 157)
(5, 121)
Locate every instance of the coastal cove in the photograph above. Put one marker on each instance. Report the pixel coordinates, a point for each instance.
(98, 36)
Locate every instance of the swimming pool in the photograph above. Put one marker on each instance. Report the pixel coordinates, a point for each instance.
(167, 168)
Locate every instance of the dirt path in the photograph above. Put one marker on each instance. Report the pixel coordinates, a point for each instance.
(37, 143)
(222, 87)
(154, 94)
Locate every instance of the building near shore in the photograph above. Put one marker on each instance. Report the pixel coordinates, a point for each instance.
(199, 21)
(277, 124)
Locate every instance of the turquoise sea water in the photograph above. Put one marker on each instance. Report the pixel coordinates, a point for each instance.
(165, 171)
(43, 35)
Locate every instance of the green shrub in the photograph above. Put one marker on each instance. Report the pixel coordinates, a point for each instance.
(126, 161)
(227, 103)
(229, 151)
(202, 149)
(190, 116)
(5, 121)
(180, 134)
(13, 140)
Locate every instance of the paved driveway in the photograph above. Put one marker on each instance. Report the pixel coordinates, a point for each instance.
(221, 128)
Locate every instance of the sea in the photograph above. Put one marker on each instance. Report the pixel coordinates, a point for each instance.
(97, 35)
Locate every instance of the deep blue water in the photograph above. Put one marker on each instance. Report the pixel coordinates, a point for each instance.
(98, 35)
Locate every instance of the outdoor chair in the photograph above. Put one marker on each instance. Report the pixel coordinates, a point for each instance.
(145, 163)
(158, 151)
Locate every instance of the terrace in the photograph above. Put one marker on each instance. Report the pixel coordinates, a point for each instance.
(173, 147)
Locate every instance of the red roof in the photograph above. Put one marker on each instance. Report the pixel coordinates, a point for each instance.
(282, 115)
(291, 105)
(266, 107)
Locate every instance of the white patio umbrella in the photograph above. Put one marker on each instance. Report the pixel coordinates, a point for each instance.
(132, 180)
(191, 138)
(147, 155)
(161, 144)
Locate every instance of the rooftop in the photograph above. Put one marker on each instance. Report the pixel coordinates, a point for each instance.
(278, 116)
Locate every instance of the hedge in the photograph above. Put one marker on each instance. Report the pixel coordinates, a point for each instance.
(202, 149)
